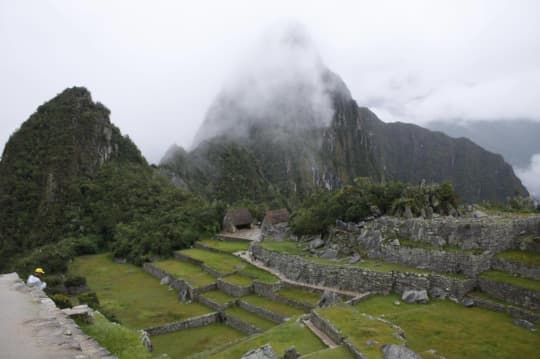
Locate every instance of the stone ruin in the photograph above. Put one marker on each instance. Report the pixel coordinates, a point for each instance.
(237, 218)
(276, 224)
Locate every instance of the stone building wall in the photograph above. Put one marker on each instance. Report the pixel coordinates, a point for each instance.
(261, 312)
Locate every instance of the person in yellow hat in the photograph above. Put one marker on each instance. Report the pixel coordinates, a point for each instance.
(34, 280)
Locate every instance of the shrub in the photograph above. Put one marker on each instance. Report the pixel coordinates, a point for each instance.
(75, 281)
(62, 301)
(89, 298)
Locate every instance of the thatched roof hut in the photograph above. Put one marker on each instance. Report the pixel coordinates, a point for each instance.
(276, 216)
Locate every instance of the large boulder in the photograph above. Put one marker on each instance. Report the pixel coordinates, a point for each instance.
(393, 351)
(415, 296)
(264, 352)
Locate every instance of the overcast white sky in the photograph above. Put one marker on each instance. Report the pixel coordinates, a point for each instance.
(157, 65)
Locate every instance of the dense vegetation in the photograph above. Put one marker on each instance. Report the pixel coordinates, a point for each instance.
(71, 184)
(364, 198)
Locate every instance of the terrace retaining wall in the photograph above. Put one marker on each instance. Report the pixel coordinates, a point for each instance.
(194, 322)
(324, 326)
(233, 290)
(509, 309)
(261, 312)
(214, 305)
(240, 325)
(505, 265)
(492, 233)
(358, 279)
(270, 291)
(510, 293)
(210, 249)
(438, 260)
(184, 258)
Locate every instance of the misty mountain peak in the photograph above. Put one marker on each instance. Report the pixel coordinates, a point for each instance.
(282, 84)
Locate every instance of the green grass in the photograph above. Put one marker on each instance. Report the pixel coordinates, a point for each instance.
(251, 318)
(117, 339)
(529, 259)
(359, 328)
(191, 273)
(510, 279)
(226, 246)
(299, 295)
(281, 338)
(222, 263)
(219, 297)
(455, 331)
(340, 352)
(183, 343)
(238, 280)
(289, 247)
(259, 274)
(278, 308)
(134, 296)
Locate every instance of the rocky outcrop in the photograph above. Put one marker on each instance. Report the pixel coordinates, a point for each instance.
(264, 352)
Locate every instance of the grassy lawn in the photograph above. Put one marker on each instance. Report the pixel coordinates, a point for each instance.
(227, 246)
(289, 247)
(259, 274)
(251, 318)
(359, 328)
(280, 338)
(510, 279)
(529, 259)
(455, 331)
(340, 352)
(134, 296)
(191, 273)
(122, 342)
(279, 308)
(238, 280)
(219, 297)
(299, 295)
(183, 343)
(223, 263)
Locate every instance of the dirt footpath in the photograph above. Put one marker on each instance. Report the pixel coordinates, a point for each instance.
(32, 327)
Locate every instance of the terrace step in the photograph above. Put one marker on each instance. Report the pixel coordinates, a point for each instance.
(516, 290)
(269, 309)
(247, 257)
(322, 336)
(484, 300)
(255, 323)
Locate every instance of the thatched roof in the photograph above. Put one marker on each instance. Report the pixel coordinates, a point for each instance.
(238, 216)
(277, 216)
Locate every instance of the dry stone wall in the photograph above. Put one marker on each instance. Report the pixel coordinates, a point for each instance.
(515, 268)
(358, 279)
(510, 293)
(233, 290)
(194, 322)
(261, 312)
(489, 233)
(240, 325)
(511, 310)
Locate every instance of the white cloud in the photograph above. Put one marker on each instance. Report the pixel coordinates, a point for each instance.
(530, 176)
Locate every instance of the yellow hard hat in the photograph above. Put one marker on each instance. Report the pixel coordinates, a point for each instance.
(39, 270)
